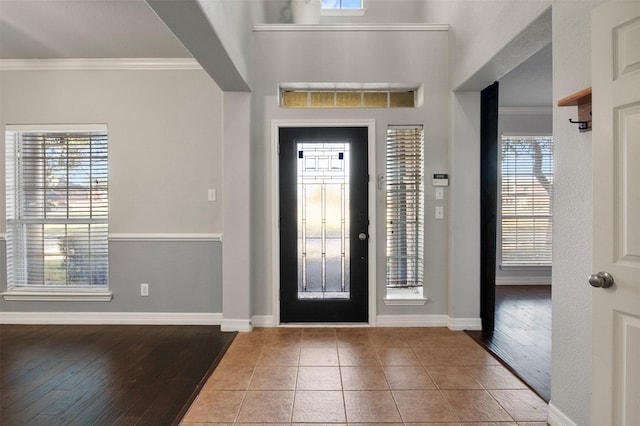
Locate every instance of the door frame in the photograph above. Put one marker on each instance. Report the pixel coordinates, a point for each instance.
(370, 124)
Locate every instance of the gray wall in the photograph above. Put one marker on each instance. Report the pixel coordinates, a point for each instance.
(165, 151)
(284, 56)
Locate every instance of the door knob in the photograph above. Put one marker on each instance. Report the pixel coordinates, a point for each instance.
(362, 236)
(601, 279)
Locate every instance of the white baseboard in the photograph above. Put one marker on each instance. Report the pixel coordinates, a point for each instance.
(115, 318)
(236, 325)
(412, 320)
(263, 321)
(558, 418)
(458, 324)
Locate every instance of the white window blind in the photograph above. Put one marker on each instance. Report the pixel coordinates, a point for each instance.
(405, 207)
(526, 200)
(57, 208)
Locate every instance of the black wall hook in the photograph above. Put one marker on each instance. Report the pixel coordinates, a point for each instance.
(582, 125)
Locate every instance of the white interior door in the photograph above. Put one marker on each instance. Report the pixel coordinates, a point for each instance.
(615, 41)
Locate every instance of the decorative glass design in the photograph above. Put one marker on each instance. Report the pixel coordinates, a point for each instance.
(323, 220)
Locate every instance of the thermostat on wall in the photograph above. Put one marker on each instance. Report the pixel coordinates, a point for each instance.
(440, 179)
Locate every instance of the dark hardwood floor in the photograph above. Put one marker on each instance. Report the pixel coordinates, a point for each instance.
(96, 375)
(522, 336)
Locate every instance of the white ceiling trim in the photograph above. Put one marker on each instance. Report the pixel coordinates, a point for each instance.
(140, 64)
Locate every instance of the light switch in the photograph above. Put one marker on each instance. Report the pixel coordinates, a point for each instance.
(439, 212)
(211, 195)
(439, 193)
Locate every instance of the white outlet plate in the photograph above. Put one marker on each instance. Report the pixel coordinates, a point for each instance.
(211, 194)
(439, 212)
(144, 289)
(439, 193)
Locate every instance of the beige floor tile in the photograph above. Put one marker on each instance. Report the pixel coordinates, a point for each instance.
(363, 378)
(280, 356)
(319, 357)
(319, 378)
(319, 340)
(215, 406)
(240, 355)
(423, 406)
(235, 377)
(475, 406)
(452, 377)
(358, 356)
(490, 424)
(389, 342)
(370, 406)
(476, 355)
(495, 377)
(522, 405)
(318, 406)
(397, 356)
(437, 355)
(408, 378)
(266, 407)
(273, 378)
(353, 340)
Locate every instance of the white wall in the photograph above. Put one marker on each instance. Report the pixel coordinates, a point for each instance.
(233, 21)
(481, 29)
(349, 56)
(376, 11)
(572, 227)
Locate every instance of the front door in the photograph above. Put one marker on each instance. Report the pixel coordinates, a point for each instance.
(615, 41)
(323, 224)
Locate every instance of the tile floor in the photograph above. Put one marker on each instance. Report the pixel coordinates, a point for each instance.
(392, 376)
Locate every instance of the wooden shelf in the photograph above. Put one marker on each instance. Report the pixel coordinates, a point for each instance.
(577, 98)
(582, 100)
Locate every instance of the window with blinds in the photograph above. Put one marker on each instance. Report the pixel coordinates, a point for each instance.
(526, 191)
(57, 207)
(405, 210)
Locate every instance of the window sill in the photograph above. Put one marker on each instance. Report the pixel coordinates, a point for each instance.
(540, 268)
(405, 302)
(343, 12)
(58, 296)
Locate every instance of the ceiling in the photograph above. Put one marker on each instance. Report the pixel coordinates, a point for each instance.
(530, 83)
(60, 29)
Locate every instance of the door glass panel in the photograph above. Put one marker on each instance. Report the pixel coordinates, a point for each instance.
(323, 220)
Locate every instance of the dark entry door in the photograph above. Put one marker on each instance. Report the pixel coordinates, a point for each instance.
(323, 224)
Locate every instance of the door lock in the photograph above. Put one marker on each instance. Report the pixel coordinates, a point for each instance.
(362, 236)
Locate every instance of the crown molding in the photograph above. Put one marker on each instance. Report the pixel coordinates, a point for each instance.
(101, 64)
(349, 27)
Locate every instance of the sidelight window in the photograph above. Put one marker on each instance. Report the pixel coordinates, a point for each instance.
(405, 212)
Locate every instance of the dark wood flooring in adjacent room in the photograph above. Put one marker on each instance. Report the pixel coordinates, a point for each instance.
(522, 336)
(90, 375)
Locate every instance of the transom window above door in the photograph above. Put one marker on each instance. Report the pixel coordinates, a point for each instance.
(346, 95)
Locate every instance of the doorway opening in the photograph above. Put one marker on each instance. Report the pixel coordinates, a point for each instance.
(516, 290)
